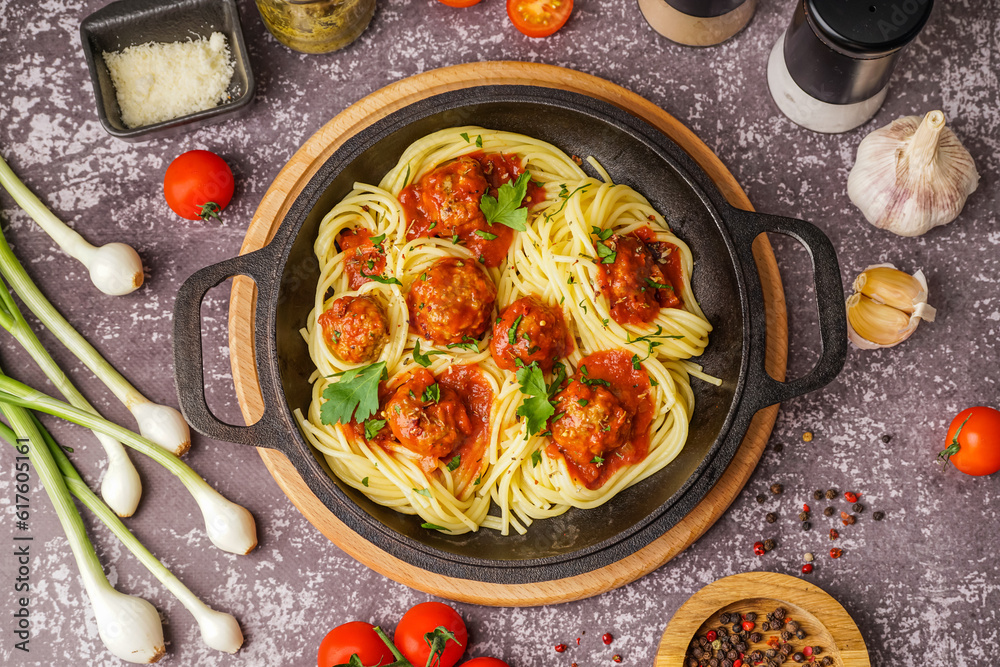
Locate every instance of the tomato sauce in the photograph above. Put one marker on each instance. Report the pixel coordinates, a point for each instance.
(539, 332)
(361, 257)
(631, 283)
(444, 203)
(633, 390)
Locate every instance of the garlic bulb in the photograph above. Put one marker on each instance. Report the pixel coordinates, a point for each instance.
(912, 175)
(886, 307)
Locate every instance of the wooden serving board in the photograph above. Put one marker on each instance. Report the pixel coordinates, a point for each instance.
(287, 186)
(826, 623)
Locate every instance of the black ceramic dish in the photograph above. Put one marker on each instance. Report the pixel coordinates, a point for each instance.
(725, 281)
(126, 23)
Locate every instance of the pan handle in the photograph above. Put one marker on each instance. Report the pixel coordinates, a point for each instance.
(745, 227)
(189, 359)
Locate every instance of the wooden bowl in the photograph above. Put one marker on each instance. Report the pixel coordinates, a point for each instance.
(825, 622)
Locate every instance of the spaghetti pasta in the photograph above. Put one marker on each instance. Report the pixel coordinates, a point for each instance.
(572, 259)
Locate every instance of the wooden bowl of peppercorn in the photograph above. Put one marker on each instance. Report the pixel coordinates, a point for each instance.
(761, 619)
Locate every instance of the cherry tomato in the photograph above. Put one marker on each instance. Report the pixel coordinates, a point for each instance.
(974, 441)
(426, 618)
(355, 637)
(198, 185)
(485, 662)
(459, 3)
(539, 18)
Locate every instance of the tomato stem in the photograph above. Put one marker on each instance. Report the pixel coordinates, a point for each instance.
(210, 210)
(953, 448)
(400, 661)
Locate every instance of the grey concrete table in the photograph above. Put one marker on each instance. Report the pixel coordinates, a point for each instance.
(924, 585)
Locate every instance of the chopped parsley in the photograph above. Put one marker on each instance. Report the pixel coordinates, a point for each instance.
(602, 234)
(364, 481)
(465, 135)
(536, 458)
(377, 240)
(381, 279)
(484, 235)
(468, 343)
(424, 359)
(479, 480)
(454, 463)
(373, 427)
(512, 333)
(430, 526)
(606, 254)
(656, 285)
(432, 394)
(424, 492)
(597, 460)
(589, 381)
(479, 141)
(506, 208)
(354, 395)
(582, 402)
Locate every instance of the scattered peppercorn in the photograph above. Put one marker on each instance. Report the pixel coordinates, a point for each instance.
(750, 616)
(858, 507)
(724, 618)
(850, 520)
(834, 534)
(785, 649)
(850, 497)
(776, 489)
(836, 553)
(807, 568)
(798, 657)
(806, 525)
(607, 638)
(793, 625)
(769, 544)
(755, 637)
(758, 548)
(761, 498)
(831, 494)
(826, 661)
(778, 447)
(766, 626)
(829, 511)
(803, 516)
(808, 557)
(785, 635)
(560, 648)
(878, 516)
(748, 625)
(780, 613)
(800, 634)
(886, 438)
(807, 436)
(616, 658)
(817, 495)
(722, 632)
(771, 517)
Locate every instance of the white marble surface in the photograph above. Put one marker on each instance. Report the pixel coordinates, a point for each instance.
(924, 585)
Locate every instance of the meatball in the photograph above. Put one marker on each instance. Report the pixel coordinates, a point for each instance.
(450, 195)
(538, 331)
(626, 281)
(356, 328)
(451, 301)
(429, 423)
(594, 421)
(361, 258)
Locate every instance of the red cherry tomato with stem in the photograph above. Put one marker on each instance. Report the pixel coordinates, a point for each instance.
(974, 441)
(539, 18)
(426, 619)
(485, 662)
(198, 185)
(459, 3)
(356, 637)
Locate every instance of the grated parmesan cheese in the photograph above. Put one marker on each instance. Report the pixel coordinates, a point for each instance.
(155, 81)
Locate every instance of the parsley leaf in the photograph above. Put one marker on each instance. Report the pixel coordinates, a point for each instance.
(357, 390)
(582, 402)
(424, 359)
(512, 332)
(377, 240)
(654, 284)
(537, 408)
(373, 427)
(603, 234)
(506, 208)
(454, 463)
(606, 254)
(468, 343)
(536, 458)
(424, 492)
(432, 526)
(433, 393)
(484, 235)
(381, 279)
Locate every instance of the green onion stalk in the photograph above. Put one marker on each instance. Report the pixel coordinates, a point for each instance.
(230, 527)
(121, 486)
(159, 423)
(219, 630)
(129, 626)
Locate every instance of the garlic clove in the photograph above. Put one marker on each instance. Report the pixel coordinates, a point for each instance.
(912, 175)
(888, 285)
(886, 307)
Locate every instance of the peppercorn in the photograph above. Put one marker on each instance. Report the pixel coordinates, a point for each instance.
(798, 657)
(817, 495)
(778, 447)
(829, 511)
(808, 557)
(717, 644)
(616, 658)
(801, 634)
(850, 497)
(858, 507)
(793, 625)
(807, 436)
(742, 647)
(785, 635)
(836, 553)
(737, 626)
(757, 656)
(771, 653)
(758, 548)
(776, 489)
(714, 662)
(806, 525)
(724, 618)
(732, 654)
(765, 626)
(761, 498)
(692, 662)
(849, 520)
(769, 544)
(722, 632)
(785, 649)
(816, 649)
(803, 516)
(878, 516)
(826, 661)
(834, 534)
(771, 517)
(755, 637)
(697, 652)
(807, 568)
(831, 494)
(727, 663)
(750, 616)
(780, 613)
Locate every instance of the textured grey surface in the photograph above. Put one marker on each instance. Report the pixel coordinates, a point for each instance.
(924, 585)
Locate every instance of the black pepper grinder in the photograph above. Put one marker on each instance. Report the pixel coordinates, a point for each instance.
(830, 70)
(697, 22)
